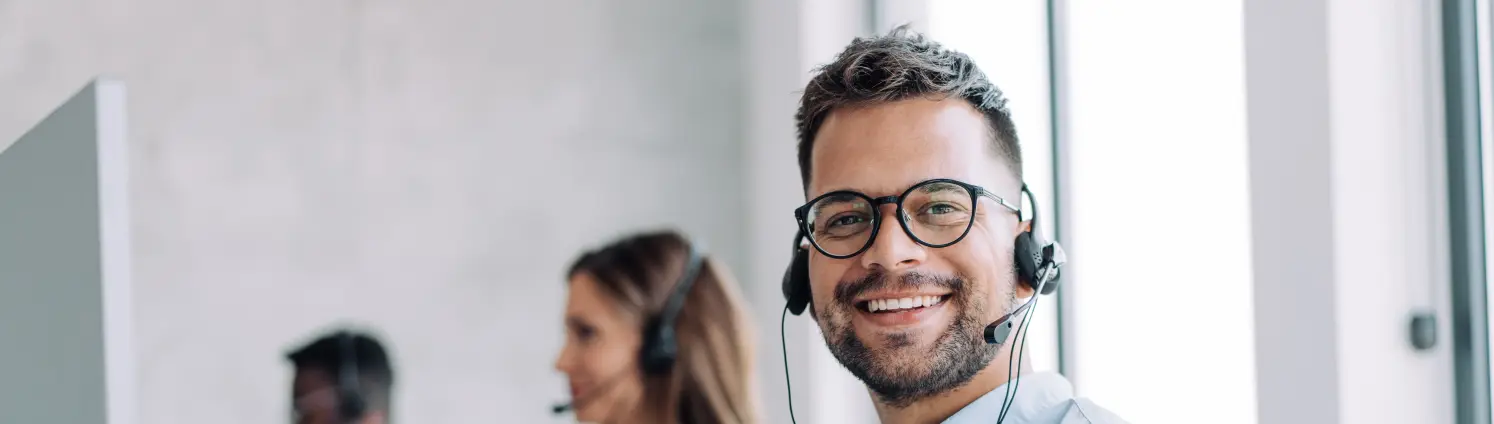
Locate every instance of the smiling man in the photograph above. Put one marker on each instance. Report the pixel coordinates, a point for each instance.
(913, 176)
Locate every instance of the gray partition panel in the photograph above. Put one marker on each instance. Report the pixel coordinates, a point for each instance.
(65, 345)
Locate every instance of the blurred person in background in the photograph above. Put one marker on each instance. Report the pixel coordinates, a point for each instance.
(344, 377)
(656, 332)
(915, 260)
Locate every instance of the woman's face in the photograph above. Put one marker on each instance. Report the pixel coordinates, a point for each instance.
(600, 357)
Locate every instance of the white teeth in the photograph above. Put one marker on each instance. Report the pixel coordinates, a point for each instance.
(904, 303)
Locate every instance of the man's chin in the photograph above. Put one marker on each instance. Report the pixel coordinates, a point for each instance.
(908, 363)
(896, 346)
(901, 364)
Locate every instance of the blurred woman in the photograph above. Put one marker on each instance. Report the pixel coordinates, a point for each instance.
(616, 297)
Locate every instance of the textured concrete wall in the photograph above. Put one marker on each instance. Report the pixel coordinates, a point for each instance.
(426, 168)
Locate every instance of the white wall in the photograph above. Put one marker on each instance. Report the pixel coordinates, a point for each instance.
(427, 168)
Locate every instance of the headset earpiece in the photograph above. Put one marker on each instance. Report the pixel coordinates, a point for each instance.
(796, 279)
(1033, 253)
(659, 350)
(1028, 259)
(352, 405)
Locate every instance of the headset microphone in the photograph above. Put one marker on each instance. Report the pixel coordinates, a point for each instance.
(1051, 258)
(999, 331)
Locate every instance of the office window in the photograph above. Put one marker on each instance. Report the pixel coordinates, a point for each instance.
(1160, 255)
(1009, 41)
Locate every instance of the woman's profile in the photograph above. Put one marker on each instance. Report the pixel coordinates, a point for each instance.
(656, 333)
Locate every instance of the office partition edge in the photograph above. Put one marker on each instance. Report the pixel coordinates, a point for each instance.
(1466, 214)
(1057, 17)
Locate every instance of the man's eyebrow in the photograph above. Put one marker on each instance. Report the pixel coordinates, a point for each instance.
(840, 189)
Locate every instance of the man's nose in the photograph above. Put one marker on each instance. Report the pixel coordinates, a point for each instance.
(892, 249)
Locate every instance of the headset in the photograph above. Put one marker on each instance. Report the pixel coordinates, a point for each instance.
(660, 347)
(1037, 263)
(351, 405)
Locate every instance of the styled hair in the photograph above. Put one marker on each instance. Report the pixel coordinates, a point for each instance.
(898, 66)
(711, 381)
(328, 353)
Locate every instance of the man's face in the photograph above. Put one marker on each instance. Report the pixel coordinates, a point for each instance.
(314, 399)
(882, 150)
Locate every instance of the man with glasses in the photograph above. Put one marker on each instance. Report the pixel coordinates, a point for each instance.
(341, 378)
(913, 178)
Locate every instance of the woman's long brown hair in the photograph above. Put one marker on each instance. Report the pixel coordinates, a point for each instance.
(711, 381)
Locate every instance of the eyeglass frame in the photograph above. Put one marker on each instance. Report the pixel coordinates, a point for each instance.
(801, 214)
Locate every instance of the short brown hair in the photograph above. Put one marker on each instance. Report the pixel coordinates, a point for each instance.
(902, 65)
(711, 382)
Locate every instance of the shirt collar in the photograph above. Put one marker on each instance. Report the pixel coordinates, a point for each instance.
(1036, 396)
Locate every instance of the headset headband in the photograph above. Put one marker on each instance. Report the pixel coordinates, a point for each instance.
(676, 301)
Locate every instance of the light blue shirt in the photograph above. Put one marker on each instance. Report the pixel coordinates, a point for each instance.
(1041, 398)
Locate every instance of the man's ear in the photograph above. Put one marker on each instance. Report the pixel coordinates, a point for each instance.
(1022, 289)
(1024, 226)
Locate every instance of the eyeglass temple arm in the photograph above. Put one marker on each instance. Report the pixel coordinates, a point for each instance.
(1001, 201)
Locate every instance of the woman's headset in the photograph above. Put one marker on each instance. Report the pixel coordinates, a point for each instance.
(660, 346)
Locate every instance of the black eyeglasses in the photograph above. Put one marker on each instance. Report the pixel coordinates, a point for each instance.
(935, 213)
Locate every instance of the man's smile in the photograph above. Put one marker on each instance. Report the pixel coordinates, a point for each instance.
(901, 312)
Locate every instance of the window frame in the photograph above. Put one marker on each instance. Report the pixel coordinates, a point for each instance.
(1466, 230)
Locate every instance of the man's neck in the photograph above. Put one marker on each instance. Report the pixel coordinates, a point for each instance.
(937, 408)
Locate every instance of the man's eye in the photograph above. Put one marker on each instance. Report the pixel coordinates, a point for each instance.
(846, 220)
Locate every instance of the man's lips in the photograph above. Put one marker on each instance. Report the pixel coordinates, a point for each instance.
(885, 302)
(901, 312)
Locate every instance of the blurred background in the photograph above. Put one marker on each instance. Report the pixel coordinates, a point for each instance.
(1257, 195)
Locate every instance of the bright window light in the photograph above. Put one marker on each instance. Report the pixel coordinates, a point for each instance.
(1160, 253)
